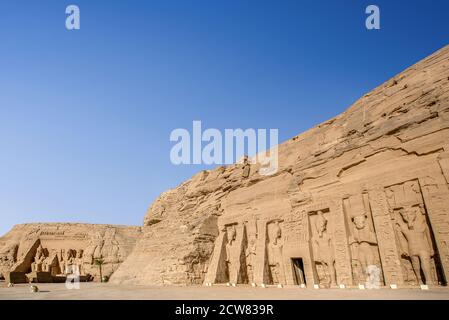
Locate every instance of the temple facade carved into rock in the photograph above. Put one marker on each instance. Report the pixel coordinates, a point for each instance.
(52, 251)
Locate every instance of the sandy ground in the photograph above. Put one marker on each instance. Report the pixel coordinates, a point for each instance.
(103, 291)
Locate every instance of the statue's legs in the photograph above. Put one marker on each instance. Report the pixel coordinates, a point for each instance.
(417, 268)
(331, 269)
(357, 270)
(370, 258)
(363, 262)
(228, 270)
(249, 273)
(424, 257)
(274, 274)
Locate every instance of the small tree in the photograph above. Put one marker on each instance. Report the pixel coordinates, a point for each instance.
(99, 262)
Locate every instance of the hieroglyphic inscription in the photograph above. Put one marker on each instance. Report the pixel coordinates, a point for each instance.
(386, 237)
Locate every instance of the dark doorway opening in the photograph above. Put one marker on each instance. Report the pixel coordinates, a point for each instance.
(298, 271)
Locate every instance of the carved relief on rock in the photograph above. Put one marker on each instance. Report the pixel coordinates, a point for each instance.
(231, 235)
(111, 249)
(419, 257)
(411, 226)
(51, 263)
(296, 194)
(51, 252)
(93, 250)
(251, 249)
(362, 239)
(274, 252)
(323, 248)
(79, 261)
(39, 258)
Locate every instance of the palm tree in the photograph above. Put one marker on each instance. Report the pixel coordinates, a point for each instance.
(99, 262)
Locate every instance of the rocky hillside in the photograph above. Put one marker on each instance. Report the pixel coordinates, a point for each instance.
(403, 120)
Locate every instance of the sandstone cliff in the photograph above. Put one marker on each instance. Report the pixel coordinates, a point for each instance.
(388, 150)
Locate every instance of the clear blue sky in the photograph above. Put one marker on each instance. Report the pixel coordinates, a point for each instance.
(85, 116)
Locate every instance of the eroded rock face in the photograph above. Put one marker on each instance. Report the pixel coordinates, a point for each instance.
(55, 249)
(362, 196)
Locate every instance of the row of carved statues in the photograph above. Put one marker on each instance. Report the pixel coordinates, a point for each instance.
(78, 259)
(64, 261)
(414, 241)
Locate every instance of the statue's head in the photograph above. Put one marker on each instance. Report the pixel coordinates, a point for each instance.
(277, 229)
(69, 253)
(409, 214)
(252, 242)
(359, 221)
(231, 233)
(40, 250)
(274, 232)
(321, 223)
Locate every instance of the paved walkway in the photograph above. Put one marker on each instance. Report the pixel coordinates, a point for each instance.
(96, 291)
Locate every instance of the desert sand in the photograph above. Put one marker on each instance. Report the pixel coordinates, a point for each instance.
(105, 291)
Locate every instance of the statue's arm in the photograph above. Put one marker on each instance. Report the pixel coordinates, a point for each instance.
(331, 246)
(315, 248)
(401, 228)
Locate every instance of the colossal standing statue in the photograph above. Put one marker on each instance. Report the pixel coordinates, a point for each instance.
(251, 258)
(275, 252)
(362, 240)
(417, 234)
(324, 253)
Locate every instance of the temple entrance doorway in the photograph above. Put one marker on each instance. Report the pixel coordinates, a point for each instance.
(298, 271)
